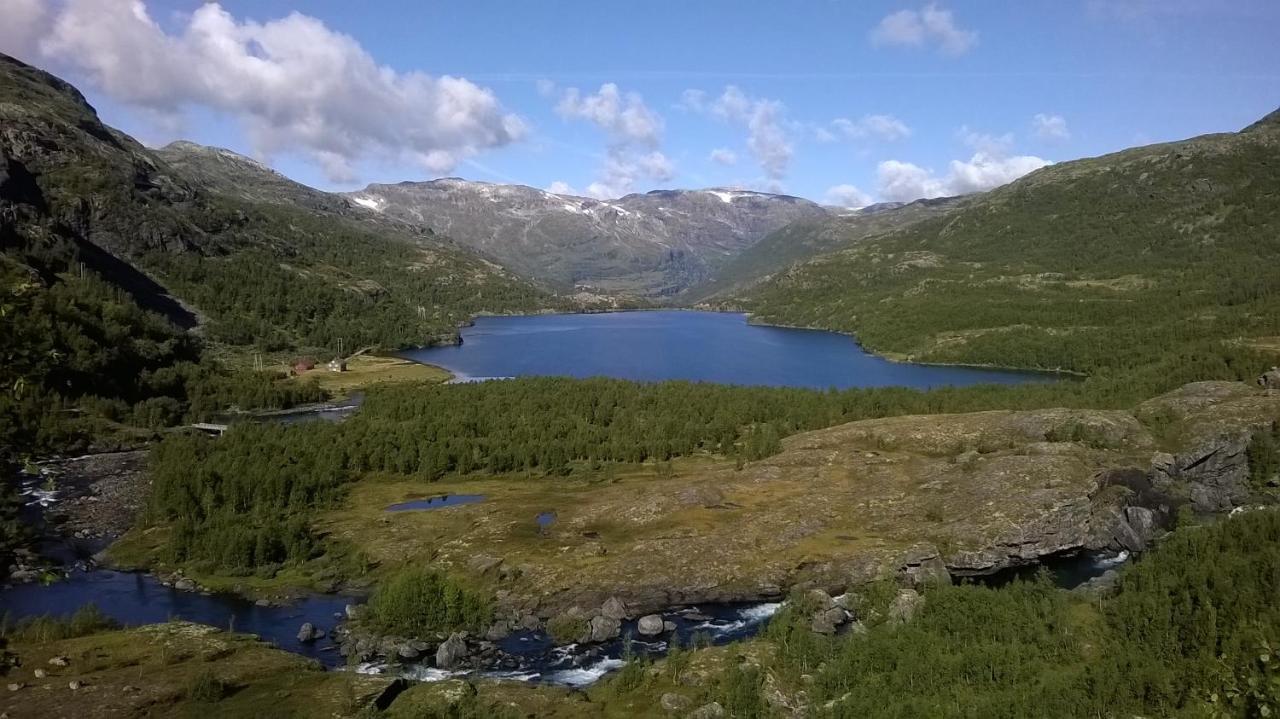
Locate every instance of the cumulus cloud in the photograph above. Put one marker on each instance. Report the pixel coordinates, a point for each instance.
(296, 85)
(626, 118)
(898, 181)
(1050, 127)
(24, 23)
(768, 136)
(929, 26)
(634, 133)
(560, 187)
(847, 196)
(986, 143)
(880, 127)
(724, 156)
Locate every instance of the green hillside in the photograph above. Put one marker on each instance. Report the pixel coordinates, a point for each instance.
(118, 269)
(1142, 269)
(803, 240)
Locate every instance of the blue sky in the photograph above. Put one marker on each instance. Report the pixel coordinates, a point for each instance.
(835, 101)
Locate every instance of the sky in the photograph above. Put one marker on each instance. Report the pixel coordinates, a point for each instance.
(841, 102)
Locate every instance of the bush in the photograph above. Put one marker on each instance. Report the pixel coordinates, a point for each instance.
(418, 602)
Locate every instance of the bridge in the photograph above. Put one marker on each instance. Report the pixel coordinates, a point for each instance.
(210, 427)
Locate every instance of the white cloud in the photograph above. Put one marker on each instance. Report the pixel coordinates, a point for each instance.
(634, 133)
(1050, 127)
(916, 28)
(767, 129)
(724, 156)
(986, 143)
(903, 181)
(626, 118)
(692, 100)
(560, 187)
(296, 85)
(881, 127)
(847, 196)
(24, 23)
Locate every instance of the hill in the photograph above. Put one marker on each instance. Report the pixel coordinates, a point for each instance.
(642, 245)
(1143, 269)
(804, 239)
(119, 264)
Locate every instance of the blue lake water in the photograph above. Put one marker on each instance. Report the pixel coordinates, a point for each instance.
(440, 501)
(697, 346)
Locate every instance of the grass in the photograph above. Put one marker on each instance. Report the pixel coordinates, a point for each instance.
(179, 669)
(366, 370)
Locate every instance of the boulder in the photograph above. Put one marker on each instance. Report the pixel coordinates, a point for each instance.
(1270, 379)
(650, 625)
(930, 571)
(827, 621)
(184, 585)
(407, 652)
(352, 611)
(530, 623)
(613, 608)
(497, 631)
(708, 711)
(905, 606)
(451, 653)
(668, 626)
(307, 632)
(604, 628)
(673, 703)
(820, 599)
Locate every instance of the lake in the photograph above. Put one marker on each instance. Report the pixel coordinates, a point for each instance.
(698, 346)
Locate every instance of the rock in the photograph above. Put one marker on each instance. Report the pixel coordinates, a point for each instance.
(650, 625)
(821, 600)
(498, 631)
(184, 585)
(16, 686)
(483, 563)
(604, 628)
(59, 661)
(613, 608)
(1270, 379)
(530, 623)
(668, 626)
(24, 576)
(74, 685)
(827, 621)
(262, 603)
(40, 673)
(694, 615)
(406, 651)
(352, 611)
(451, 652)
(708, 711)
(307, 632)
(905, 606)
(673, 703)
(929, 571)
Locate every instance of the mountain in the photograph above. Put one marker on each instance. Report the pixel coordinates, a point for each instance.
(110, 252)
(653, 244)
(1142, 268)
(807, 238)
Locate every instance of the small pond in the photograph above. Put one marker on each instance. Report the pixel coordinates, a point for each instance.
(437, 502)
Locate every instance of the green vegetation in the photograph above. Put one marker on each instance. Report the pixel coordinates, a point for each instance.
(1264, 456)
(48, 628)
(1140, 269)
(419, 602)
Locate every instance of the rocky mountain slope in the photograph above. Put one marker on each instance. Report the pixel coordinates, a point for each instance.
(653, 244)
(804, 239)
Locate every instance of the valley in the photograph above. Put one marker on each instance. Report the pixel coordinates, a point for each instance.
(792, 481)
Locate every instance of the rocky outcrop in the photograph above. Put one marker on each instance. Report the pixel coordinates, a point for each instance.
(451, 652)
